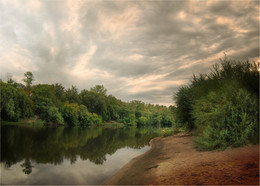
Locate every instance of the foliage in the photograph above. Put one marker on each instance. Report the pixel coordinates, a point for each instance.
(95, 102)
(28, 81)
(56, 105)
(100, 89)
(96, 119)
(72, 95)
(70, 113)
(54, 116)
(15, 103)
(28, 78)
(221, 106)
(184, 106)
(84, 117)
(228, 117)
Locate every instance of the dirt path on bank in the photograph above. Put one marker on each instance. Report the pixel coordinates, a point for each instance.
(174, 161)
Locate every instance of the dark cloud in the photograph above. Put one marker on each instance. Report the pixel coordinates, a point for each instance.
(137, 49)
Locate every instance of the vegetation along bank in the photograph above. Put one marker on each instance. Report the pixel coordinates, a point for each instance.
(55, 105)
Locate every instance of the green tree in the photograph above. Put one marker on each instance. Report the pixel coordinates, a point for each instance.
(184, 103)
(54, 116)
(43, 96)
(28, 81)
(100, 89)
(72, 95)
(15, 104)
(95, 102)
(59, 93)
(70, 113)
(84, 117)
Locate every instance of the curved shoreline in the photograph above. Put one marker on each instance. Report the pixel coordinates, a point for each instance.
(173, 160)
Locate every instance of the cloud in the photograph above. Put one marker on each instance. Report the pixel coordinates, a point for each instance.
(136, 49)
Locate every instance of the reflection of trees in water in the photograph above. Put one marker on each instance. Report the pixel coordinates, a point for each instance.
(27, 166)
(53, 145)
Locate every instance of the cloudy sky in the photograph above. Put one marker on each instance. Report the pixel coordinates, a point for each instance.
(141, 50)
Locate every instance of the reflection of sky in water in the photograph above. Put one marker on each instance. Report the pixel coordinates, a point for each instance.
(80, 172)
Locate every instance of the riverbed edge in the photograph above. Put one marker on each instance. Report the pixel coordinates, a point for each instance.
(135, 173)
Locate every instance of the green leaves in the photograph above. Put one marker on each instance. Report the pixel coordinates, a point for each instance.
(221, 106)
(15, 103)
(224, 118)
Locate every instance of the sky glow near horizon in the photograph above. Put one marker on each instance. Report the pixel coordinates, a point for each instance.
(139, 50)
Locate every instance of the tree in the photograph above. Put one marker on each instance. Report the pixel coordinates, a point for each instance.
(84, 117)
(44, 98)
(70, 113)
(95, 102)
(184, 103)
(72, 94)
(28, 80)
(99, 89)
(15, 104)
(59, 92)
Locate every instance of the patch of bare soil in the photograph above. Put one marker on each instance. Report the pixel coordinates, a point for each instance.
(174, 161)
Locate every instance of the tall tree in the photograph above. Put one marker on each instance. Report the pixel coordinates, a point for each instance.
(99, 89)
(28, 80)
(72, 94)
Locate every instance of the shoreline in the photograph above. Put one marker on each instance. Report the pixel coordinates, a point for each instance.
(173, 160)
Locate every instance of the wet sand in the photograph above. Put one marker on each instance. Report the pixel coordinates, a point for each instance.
(174, 161)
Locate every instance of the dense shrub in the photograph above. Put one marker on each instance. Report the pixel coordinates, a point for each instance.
(96, 119)
(54, 116)
(228, 117)
(221, 106)
(70, 113)
(75, 114)
(184, 103)
(84, 117)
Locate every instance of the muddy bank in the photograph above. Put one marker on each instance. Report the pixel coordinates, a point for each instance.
(173, 160)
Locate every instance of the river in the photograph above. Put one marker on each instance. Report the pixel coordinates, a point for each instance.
(68, 155)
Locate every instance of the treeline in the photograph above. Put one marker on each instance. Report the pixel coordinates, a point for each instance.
(56, 105)
(222, 106)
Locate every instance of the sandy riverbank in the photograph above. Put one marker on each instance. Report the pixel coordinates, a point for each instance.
(173, 160)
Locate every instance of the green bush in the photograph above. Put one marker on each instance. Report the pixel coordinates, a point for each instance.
(243, 73)
(184, 103)
(228, 117)
(84, 117)
(96, 119)
(142, 120)
(54, 116)
(70, 113)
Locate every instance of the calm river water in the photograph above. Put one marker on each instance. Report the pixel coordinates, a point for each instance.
(68, 155)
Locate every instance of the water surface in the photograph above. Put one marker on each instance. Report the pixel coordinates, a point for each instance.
(72, 155)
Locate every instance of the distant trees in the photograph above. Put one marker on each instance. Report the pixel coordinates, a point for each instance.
(56, 105)
(221, 106)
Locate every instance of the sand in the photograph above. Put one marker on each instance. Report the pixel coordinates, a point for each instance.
(174, 161)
